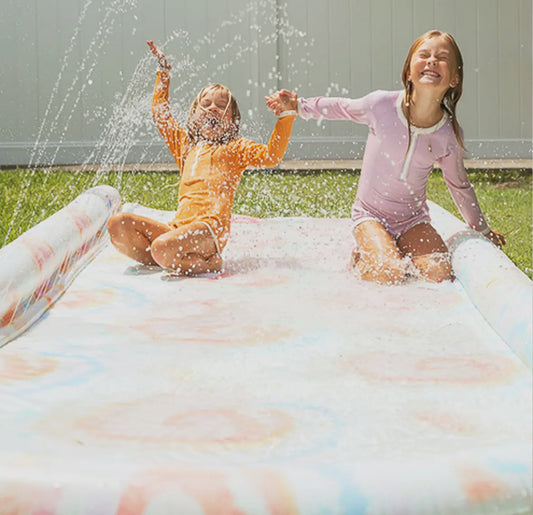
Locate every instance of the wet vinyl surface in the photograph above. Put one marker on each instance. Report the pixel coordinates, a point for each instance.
(283, 383)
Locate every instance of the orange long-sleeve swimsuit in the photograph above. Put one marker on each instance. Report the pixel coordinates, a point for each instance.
(210, 173)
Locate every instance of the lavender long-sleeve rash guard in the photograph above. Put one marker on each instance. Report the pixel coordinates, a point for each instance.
(392, 186)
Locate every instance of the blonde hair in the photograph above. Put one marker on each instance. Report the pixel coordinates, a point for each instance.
(452, 96)
(233, 129)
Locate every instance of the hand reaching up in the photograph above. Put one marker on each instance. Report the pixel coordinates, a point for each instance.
(282, 100)
(161, 58)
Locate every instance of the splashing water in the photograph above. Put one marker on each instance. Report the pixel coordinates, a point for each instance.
(127, 131)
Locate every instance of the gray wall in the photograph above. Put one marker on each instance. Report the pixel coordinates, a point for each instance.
(76, 75)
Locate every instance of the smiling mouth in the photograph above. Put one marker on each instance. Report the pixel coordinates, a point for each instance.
(430, 73)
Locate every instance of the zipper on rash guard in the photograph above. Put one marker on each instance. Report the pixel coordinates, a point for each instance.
(409, 157)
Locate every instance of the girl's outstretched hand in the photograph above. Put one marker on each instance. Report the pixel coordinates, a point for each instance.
(282, 100)
(161, 58)
(497, 238)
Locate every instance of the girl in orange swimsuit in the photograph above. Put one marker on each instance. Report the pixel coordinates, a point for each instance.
(211, 158)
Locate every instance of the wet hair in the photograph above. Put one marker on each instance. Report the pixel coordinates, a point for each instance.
(233, 129)
(452, 96)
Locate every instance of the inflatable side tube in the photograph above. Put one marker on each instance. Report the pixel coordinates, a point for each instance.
(37, 267)
(500, 291)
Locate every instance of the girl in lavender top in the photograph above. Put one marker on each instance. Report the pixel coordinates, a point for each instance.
(408, 131)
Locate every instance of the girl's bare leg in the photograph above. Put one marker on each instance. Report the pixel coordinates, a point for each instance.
(189, 249)
(378, 258)
(133, 235)
(428, 252)
(193, 264)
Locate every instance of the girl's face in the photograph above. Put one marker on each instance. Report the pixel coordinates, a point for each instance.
(213, 115)
(433, 66)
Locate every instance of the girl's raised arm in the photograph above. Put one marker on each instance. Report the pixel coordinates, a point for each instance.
(174, 135)
(161, 58)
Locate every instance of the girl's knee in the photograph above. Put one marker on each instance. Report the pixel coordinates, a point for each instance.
(435, 267)
(387, 271)
(392, 273)
(438, 273)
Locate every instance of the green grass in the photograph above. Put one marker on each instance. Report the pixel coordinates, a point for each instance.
(29, 196)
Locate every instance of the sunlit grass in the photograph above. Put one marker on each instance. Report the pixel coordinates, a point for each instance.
(27, 197)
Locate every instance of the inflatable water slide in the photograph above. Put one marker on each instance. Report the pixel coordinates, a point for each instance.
(282, 385)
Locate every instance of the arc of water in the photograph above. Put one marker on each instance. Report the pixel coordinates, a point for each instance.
(39, 149)
(130, 116)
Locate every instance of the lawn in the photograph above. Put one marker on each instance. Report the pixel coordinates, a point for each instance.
(29, 196)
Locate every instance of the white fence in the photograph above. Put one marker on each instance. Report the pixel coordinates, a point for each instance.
(76, 75)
